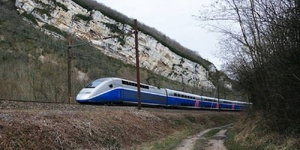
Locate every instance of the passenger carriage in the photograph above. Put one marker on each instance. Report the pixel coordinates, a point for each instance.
(182, 99)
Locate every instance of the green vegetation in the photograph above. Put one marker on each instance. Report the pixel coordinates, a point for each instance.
(65, 8)
(43, 11)
(30, 17)
(192, 119)
(251, 133)
(55, 29)
(47, 6)
(233, 145)
(115, 29)
(79, 17)
(212, 132)
(172, 141)
(88, 6)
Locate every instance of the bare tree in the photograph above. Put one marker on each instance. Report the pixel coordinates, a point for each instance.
(263, 55)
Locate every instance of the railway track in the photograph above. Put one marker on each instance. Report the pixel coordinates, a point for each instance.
(29, 101)
(18, 104)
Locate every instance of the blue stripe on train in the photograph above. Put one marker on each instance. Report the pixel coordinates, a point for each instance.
(110, 96)
(131, 96)
(118, 95)
(177, 101)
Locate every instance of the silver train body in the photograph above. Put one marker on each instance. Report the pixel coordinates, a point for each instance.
(117, 90)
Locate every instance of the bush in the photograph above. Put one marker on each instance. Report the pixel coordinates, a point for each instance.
(79, 17)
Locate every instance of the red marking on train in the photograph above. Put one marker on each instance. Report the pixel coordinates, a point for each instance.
(197, 103)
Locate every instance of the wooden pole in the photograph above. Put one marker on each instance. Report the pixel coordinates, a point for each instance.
(69, 69)
(137, 64)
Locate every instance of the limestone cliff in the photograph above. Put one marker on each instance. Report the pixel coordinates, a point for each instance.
(94, 26)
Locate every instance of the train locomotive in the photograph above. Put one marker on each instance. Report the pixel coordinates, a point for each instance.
(117, 90)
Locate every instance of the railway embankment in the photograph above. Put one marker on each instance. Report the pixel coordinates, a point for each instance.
(31, 125)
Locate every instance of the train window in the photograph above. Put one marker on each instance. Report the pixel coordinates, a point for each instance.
(111, 86)
(93, 84)
(144, 86)
(207, 100)
(124, 82)
(175, 94)
(134, 84)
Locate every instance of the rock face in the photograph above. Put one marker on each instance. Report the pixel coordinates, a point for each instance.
(94, 26)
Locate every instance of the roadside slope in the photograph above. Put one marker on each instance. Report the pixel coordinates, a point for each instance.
(62, 126)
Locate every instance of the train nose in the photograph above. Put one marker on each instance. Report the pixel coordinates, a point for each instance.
(83, 95)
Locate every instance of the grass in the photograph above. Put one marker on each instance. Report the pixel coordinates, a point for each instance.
(231, 144)
(169, 142)
(212, 132)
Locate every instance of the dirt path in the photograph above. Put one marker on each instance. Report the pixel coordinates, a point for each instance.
(188, 144)
(216, 143)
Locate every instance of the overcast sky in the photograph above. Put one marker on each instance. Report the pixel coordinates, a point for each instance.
(175, 19)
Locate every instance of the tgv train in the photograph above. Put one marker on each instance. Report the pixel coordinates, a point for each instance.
(117, 90)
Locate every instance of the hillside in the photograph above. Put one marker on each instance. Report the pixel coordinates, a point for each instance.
(94, 22)
(34, 65)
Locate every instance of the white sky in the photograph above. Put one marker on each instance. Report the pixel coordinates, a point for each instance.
(175, 19)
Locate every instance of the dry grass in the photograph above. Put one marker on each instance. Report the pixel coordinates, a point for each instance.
(62, 126)
(252, 134)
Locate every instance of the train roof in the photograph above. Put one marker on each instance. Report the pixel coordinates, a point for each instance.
(181, 92)
(121, 79)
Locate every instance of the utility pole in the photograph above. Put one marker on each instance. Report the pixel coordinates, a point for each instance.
(218, 89)
(137, 64)
(69, 69)
(137, 60)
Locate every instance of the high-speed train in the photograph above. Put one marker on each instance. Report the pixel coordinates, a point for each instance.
(117, 90)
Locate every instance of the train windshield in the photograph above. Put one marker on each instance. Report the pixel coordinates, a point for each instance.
(93, 84)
